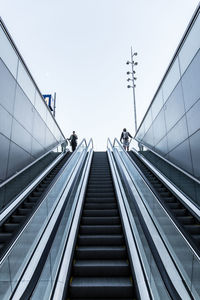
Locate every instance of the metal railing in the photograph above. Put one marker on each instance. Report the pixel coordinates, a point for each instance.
(183, 255)
(16, 263)
(30, 165)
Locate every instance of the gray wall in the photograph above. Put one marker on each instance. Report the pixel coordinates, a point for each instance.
(27, 127)
(171, 126)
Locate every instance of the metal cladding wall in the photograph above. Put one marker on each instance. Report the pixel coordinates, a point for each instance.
(171, 126)
(27, 127)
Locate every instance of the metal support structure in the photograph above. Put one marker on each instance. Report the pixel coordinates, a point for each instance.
(54, 105)
(133, 63)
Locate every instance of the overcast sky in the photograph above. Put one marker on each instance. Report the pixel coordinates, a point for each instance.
(79, 49)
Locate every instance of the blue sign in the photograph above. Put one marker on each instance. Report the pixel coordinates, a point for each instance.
(49, 101)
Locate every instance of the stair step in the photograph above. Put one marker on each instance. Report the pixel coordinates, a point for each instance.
(171, 199)
(101, 252)
(98, 268)
(193, 229)
(100, 195)
(17, 218)
(185, 219)
(101, 287)
(10, 227)
(101, 206)
(179, 211)
(100, 200)
(100, 220)
(100, 240)
(100, 213)
(23, 211)
(174, 205)
(102, 189)
(100, 229)
(5, 236)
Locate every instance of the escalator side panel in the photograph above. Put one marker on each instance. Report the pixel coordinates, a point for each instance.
(187, 223)
(13, 225)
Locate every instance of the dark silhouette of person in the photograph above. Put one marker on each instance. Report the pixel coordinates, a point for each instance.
(124, 139)
(73, 141)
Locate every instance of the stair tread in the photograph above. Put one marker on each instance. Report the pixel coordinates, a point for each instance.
(101, 281)
(101, 263)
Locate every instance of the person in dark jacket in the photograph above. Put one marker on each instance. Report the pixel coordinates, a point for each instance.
(73, 141)
(124, 139)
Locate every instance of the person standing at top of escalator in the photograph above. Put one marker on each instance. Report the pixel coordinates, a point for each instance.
(124, 139)
(73, 141)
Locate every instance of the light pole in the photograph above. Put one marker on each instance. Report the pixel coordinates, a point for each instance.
(133, 63)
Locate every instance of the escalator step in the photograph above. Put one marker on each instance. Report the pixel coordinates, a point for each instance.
(116, 287)
(100, 229)
(165, 194)
(100, 220)
(28, 204)
(24, 211)
(98, 268)
(179, 212)
(37, 194)
(5, 236)
(10, 227)
(186, 219)
(100, 200)
(100, 240)
(101, 252)
(174, 205)
(100, 195)
(99, 189)
(100, 205)
(100, 213)
(193, 229)
(170, 199)
(32, 199)
(196, 237)
(17, 218)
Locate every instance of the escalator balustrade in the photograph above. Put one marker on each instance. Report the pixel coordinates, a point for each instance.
(182, 216)
(11, 227)
(100, 265)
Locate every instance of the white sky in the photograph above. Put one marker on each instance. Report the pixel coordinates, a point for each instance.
(79, 49)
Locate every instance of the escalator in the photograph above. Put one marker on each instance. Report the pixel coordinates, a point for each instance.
(14, 187)
(100, 268)
(14, 223)
(184, 218)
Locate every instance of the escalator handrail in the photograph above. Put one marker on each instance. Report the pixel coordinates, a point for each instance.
(171, 163)
(29, 268)
(8, 210)
(171, 219)
(192, 207)
(178, 193)
(155, 250)
(142, 287)
(60, 289)
(30, 165)
(16, 201)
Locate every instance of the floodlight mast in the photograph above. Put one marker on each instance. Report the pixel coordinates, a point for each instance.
(133, 63)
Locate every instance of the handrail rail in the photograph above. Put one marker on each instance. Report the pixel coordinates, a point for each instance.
(31, 266)
(171, 163)
(189, 247)
(178, 192)
(156, 241)
(39, 158)
(31, 164)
